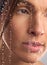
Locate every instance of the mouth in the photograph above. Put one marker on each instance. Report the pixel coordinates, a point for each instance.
(32, 46)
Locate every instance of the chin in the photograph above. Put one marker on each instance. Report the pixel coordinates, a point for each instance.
(27, 57)
(28, 60)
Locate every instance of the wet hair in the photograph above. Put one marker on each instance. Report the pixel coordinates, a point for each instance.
(6, 10)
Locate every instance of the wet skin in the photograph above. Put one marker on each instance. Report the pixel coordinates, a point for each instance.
(28, 24)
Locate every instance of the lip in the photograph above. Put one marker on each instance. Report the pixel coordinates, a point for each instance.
(32, 46)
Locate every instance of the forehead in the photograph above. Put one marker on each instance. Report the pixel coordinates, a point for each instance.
(37, 3)
(42, 3)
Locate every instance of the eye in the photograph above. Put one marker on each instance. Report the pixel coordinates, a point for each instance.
(22, 11)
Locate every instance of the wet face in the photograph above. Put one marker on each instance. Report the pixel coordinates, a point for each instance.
(29, 29)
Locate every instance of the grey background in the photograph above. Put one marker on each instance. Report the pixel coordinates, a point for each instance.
(44, 59)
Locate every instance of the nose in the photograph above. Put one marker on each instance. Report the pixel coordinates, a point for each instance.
(36, 27)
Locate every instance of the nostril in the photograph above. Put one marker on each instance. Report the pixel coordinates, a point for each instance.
(33, 33)
(30, 32)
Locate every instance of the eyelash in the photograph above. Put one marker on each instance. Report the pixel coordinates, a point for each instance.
(22, 11)
(26, 11)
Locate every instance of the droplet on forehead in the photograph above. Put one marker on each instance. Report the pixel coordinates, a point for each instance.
(23, 2)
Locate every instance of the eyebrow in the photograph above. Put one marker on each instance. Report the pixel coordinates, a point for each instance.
(25, 2)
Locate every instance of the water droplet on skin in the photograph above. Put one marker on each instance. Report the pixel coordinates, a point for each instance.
(1, 11)
(3, 5)
(3, 62)
(6, 3)
(2, 8)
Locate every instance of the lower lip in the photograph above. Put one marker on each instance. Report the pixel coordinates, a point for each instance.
(31, 48)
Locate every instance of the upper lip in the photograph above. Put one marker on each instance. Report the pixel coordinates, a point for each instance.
(33, 43)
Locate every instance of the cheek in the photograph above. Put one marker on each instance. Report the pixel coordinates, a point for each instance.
(19, 26)
(45, 30)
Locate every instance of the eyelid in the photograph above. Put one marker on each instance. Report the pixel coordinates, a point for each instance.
(27, 5)
(19, 8)
(31, 9)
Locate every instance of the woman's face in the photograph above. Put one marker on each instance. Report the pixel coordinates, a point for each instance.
(29, 29)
